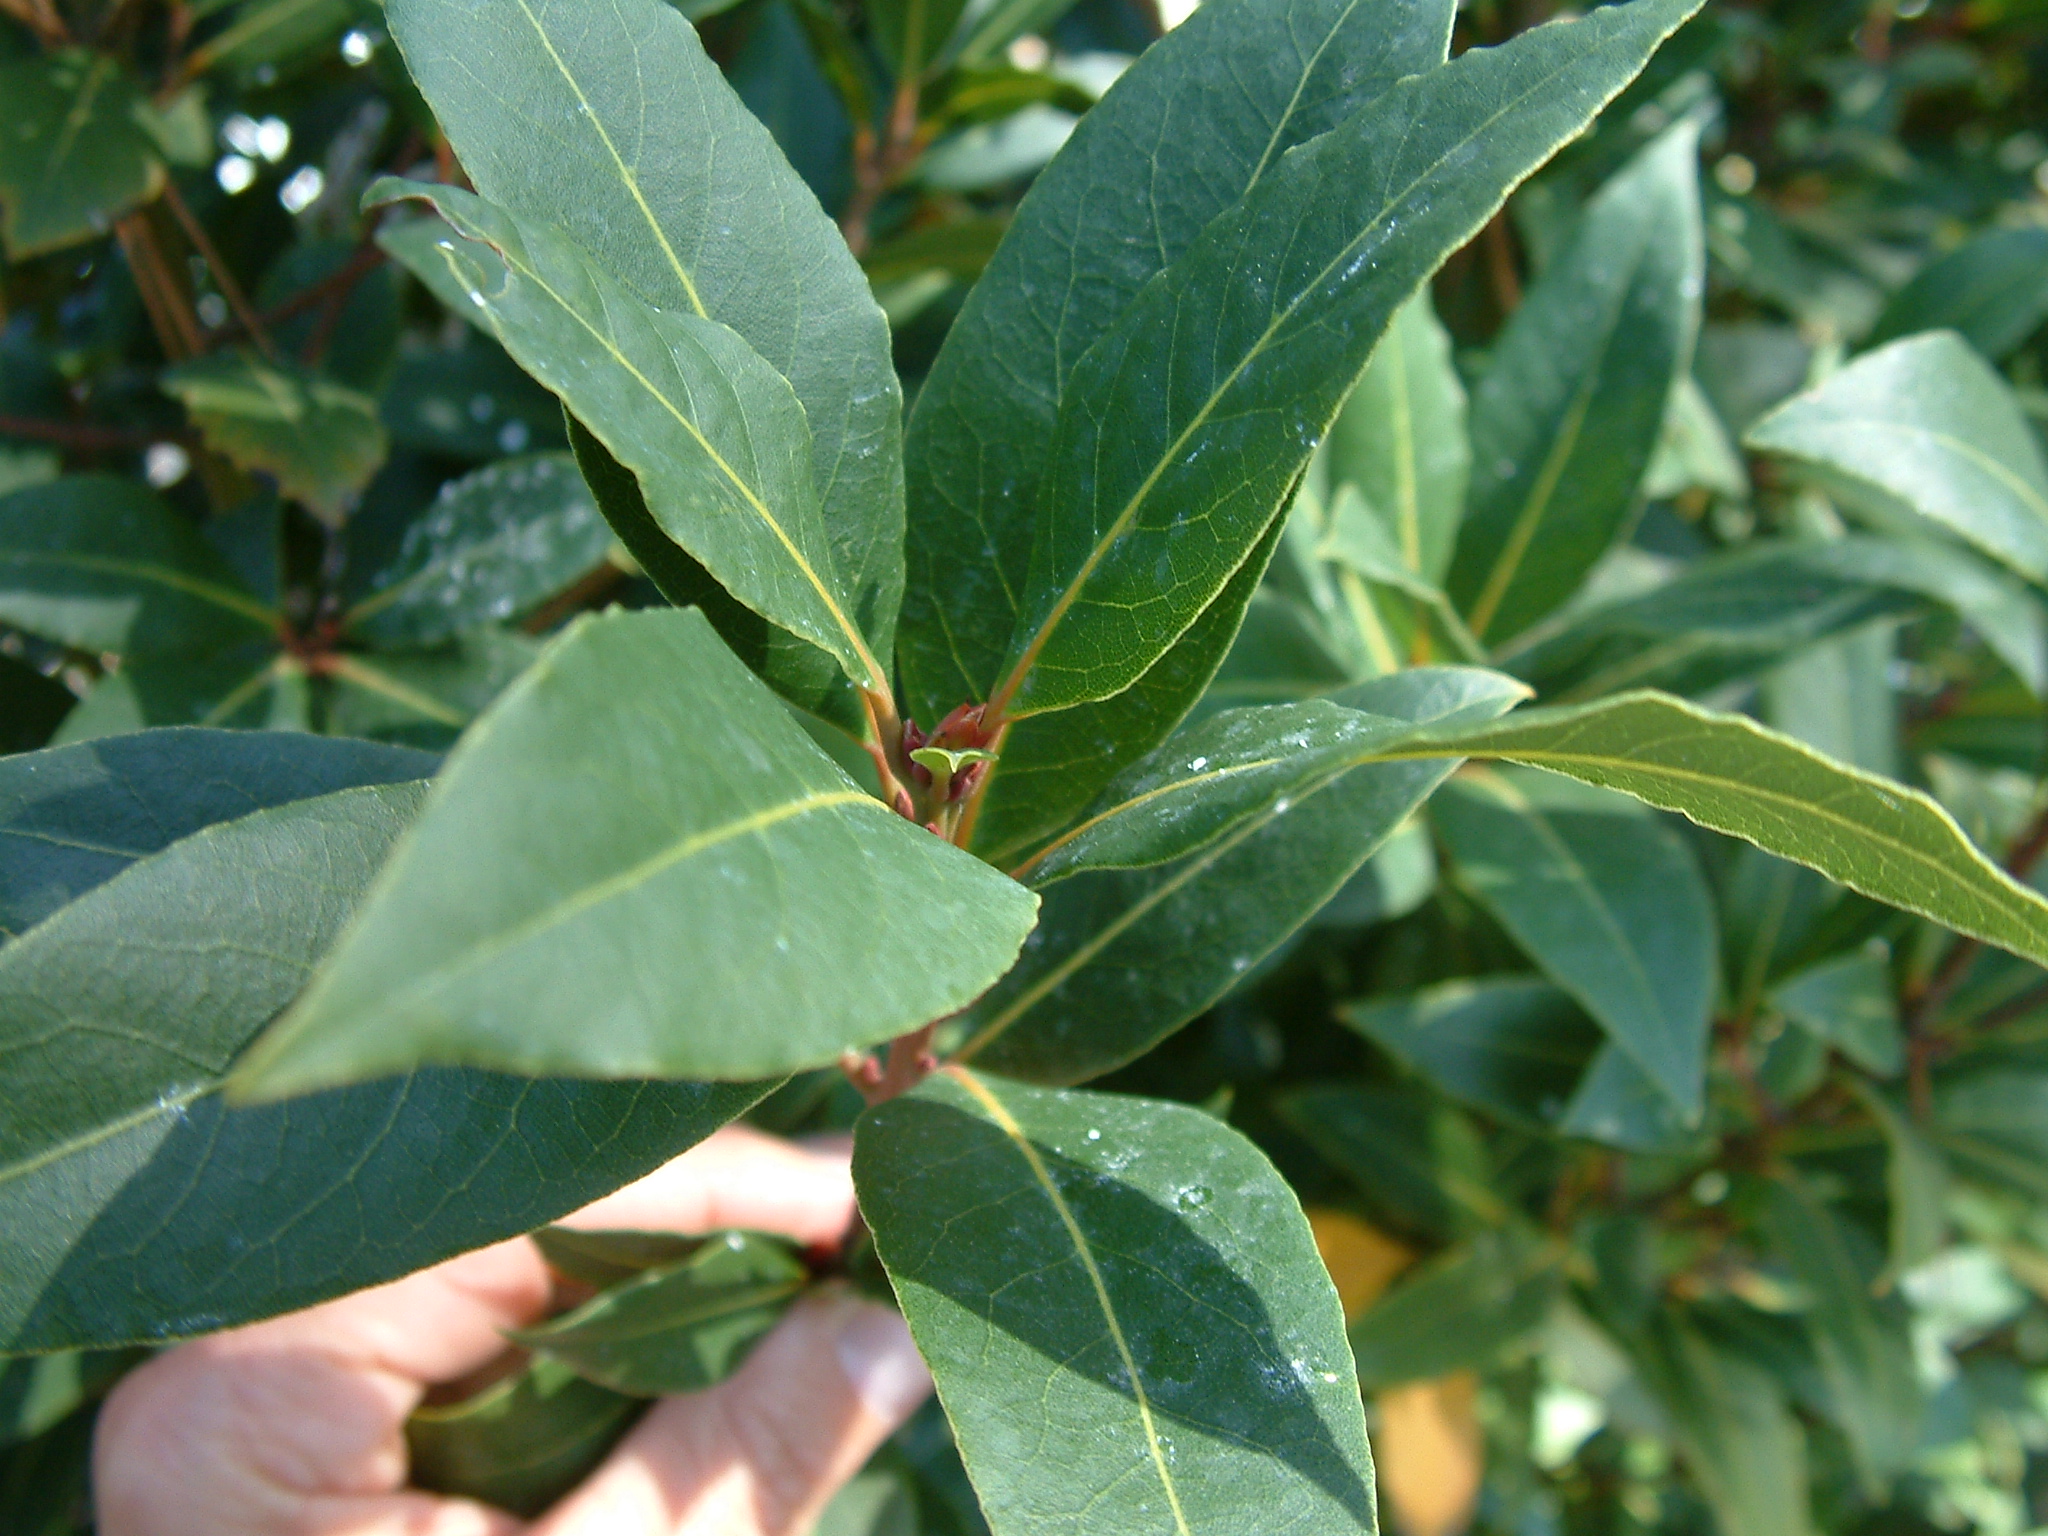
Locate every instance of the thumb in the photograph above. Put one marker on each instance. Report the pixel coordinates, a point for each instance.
(762, 1453)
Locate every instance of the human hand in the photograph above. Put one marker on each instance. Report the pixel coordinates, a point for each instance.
(295, 1426)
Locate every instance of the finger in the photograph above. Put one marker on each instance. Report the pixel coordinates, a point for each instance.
(738, 1177)
(761, 1454)
(231, 1432)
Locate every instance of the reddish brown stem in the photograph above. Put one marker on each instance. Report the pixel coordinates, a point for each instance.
(224, 279)
(170, 313)
(88, 437)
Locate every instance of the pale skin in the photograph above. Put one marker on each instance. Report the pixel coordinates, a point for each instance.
(294, 1427)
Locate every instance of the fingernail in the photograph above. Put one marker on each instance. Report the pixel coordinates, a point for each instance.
(882, 1364)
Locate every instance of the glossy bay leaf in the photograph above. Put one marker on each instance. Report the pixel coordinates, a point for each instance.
(1850, 1002)
(1185, 426)
(521, 1443)
(610, 126)
(1053, 765)
(1196, 122)
(76, 154)
(717, 438)
(1401, 440)
(1573, 403)
(1865, 1352)
(73, 817)
(100, 563)
(1992, 291)
(1923, 429)
(321, 441)
(637, 864)
(1123, 1307)
(1121, 958)
(494, 543)
(1608, 901)
(1512, 1046)
(1733, 775)
(679, 1327)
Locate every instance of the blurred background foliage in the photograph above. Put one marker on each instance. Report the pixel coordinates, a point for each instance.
(335, 507)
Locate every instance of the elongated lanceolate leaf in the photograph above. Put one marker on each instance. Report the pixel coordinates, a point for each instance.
(493, 544)
(1401, 440)
(1185, 426)
(1122, 958)
(97, 1027)
(521, 1443)
(1053, 765)
(1571, 408)
(76, 155)
(717, 438)
(1462, 1310)
(1992, 291)
(1123, 1308)
(100, 563)
(1731, 774)
(1199, 120)
(637, 864)
(72, 818)
(1514, 1046)
(1606, 900)
(806, 676)
(1731, 614)
(139, 1208)
(681, 1327)
(609, 125)
(1926, 429)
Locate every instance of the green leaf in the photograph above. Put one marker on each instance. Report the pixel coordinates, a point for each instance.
(1992, 1121)
(99, 563)
(520, 1444)
(268, 33)
(76, 155)
(1923, 429)
(252, 902)
(1052, 766)
(1849, 1001)
(1183, 429)
(1993, 291)
(1514, 1047)
(1728, 615)
(807, 677)
(911, 33)
(654, 167)
(1195, 123)
(37, 1392)
(1415, 1163)
(1866, 1357)
(1694, 451)
(1571, 409)
(1220, 774)
(1401, 440)
(1120, 959)
(717, 438)
(1461, 1311)
(192, 1216)
(1621, 1105)
(424, 697)
(604, 1258)
(492, 545)
(1123, 1308)
(1608, 901)
(257, 686)
(1916, 1185)
(681, 1327)
(622, 877)
(1741, 1442)
(320, 441)
(1729, 773)
(72, 818)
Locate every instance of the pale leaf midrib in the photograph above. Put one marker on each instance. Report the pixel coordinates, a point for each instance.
(162, 576)
(170, 1104)
(613, 886)
(1007, 1123)
(627, 178)
(370, 679)
(1252, 353)
(2011, 479)
(866, 658)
